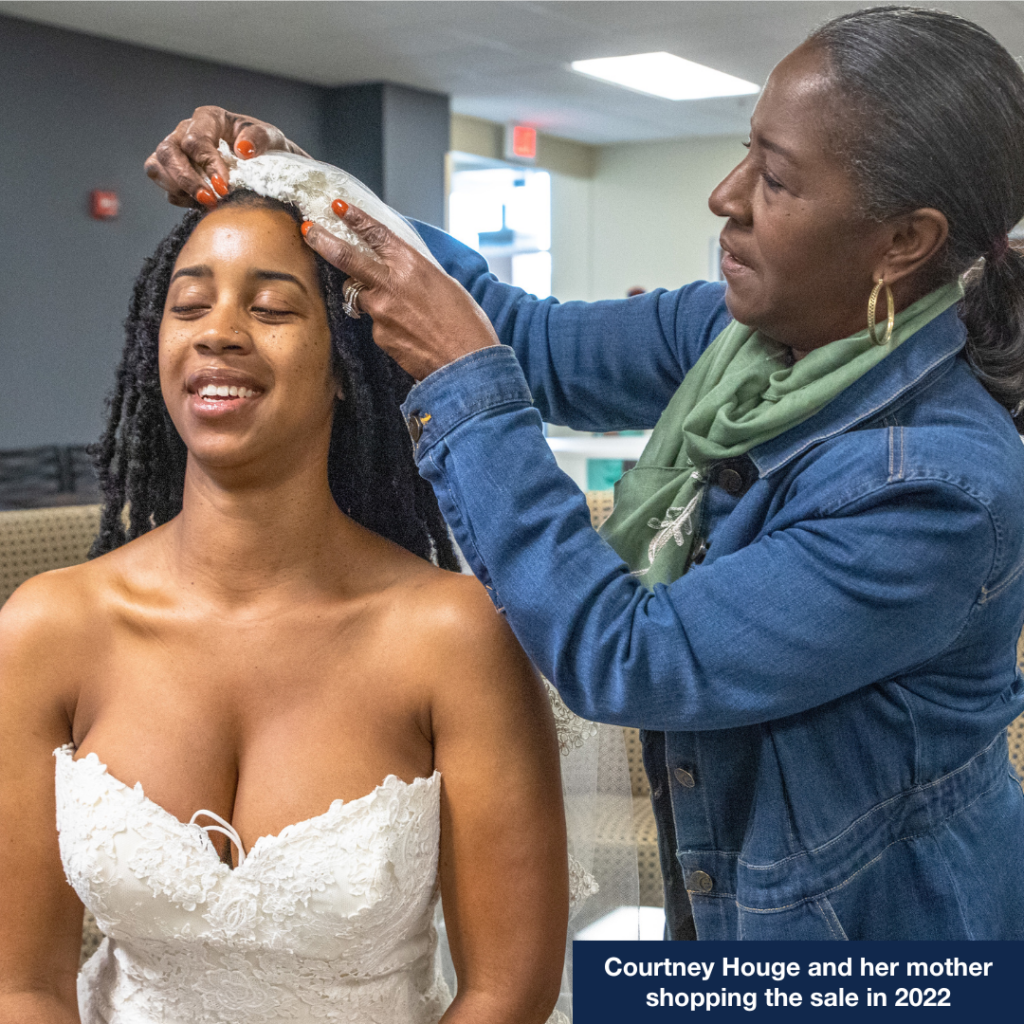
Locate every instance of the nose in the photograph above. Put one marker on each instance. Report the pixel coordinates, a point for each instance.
(223, 330)
(731, 196)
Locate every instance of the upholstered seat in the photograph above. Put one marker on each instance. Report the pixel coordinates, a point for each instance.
(36, 540)
(648, 865)
(1015, 733)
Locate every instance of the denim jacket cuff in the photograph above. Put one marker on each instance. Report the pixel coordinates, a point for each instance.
(480, 381)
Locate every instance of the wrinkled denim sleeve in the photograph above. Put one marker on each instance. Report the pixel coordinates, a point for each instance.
(610, 365)
(830, 601)
(827, 601)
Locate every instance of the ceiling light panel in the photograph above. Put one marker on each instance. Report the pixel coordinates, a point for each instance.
(665, 74)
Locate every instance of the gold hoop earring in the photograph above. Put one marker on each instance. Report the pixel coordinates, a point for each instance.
(890, 321)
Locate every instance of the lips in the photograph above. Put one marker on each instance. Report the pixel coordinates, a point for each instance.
(212, 380)
(220, 390)
(731, 260)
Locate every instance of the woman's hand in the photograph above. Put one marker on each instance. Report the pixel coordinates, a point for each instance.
(422, 318)
(187, 162)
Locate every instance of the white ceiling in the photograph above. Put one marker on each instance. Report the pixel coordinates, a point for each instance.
(504, 61)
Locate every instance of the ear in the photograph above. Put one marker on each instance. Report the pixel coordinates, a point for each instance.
(915, 239)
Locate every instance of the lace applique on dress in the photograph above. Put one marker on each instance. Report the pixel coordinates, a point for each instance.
(572, 730)
(331, 920)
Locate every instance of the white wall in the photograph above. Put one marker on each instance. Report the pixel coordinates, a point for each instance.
(622, 216)
(572, 258)
(642, 219)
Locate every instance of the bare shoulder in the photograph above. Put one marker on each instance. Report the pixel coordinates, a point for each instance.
(463, 649)
(48, 621)
(450, 611)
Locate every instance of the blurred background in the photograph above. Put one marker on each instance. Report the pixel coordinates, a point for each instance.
(602, 191)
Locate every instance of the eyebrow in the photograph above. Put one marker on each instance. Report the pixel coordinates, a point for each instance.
(774, 147)
(277, 275)
(202, 270)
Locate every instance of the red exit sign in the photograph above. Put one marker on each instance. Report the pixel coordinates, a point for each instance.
(520, 142)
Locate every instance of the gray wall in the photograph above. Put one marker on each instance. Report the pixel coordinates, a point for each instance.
(415, 140)
(394, 140)
(79, 113)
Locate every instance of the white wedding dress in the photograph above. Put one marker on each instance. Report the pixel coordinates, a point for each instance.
(330, 920)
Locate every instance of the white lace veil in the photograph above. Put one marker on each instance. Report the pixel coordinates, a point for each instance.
(312, 186)
(595, 772)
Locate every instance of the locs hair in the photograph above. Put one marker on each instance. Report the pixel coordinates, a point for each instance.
(140, 458)
(931, 114)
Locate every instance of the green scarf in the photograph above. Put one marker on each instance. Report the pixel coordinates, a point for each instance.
(738, 395)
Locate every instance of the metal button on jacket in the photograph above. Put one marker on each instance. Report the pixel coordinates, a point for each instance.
(700, 881)
(685, 778)
(415, 425)
(730, 480)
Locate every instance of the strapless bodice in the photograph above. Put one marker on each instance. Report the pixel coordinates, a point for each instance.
(330, 920)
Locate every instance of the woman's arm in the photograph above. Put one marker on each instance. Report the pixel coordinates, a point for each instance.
(592, 365)
(856, 577)
(609, 365)
(503, 862)
(42, 917)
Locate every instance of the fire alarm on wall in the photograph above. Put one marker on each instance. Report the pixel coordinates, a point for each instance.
(103, 205)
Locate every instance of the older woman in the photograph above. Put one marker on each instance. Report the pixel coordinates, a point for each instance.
(811, 587)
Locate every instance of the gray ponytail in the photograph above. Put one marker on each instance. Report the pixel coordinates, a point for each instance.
(938, 121)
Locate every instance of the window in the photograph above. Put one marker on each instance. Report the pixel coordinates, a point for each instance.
(504, 213)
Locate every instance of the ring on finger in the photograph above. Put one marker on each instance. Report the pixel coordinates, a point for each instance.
(350, 297)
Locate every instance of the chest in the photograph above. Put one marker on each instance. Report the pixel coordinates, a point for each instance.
(263, 722)
(733, 509)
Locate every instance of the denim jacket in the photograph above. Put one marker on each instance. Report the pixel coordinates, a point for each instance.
(824, 695)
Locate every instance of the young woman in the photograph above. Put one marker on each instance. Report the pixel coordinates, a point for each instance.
(278, 729)
(814, 579)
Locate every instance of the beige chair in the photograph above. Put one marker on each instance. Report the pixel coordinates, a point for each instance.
(1015, 733)
(648, 865)
(39, 539)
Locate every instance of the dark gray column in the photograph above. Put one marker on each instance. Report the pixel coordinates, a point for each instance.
(394, 139)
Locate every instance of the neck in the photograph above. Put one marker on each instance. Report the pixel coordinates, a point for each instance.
(905, 293)
(242, 539)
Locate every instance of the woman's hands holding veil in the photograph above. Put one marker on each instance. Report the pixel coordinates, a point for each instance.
(187, 161)
(422, 318)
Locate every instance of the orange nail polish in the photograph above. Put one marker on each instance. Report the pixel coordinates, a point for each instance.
(306, 225)
(340, 207)
(206, 197)
(219, 185)
(245, 149)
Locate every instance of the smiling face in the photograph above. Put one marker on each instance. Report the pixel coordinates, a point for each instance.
(245, 346)
(799, 257)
